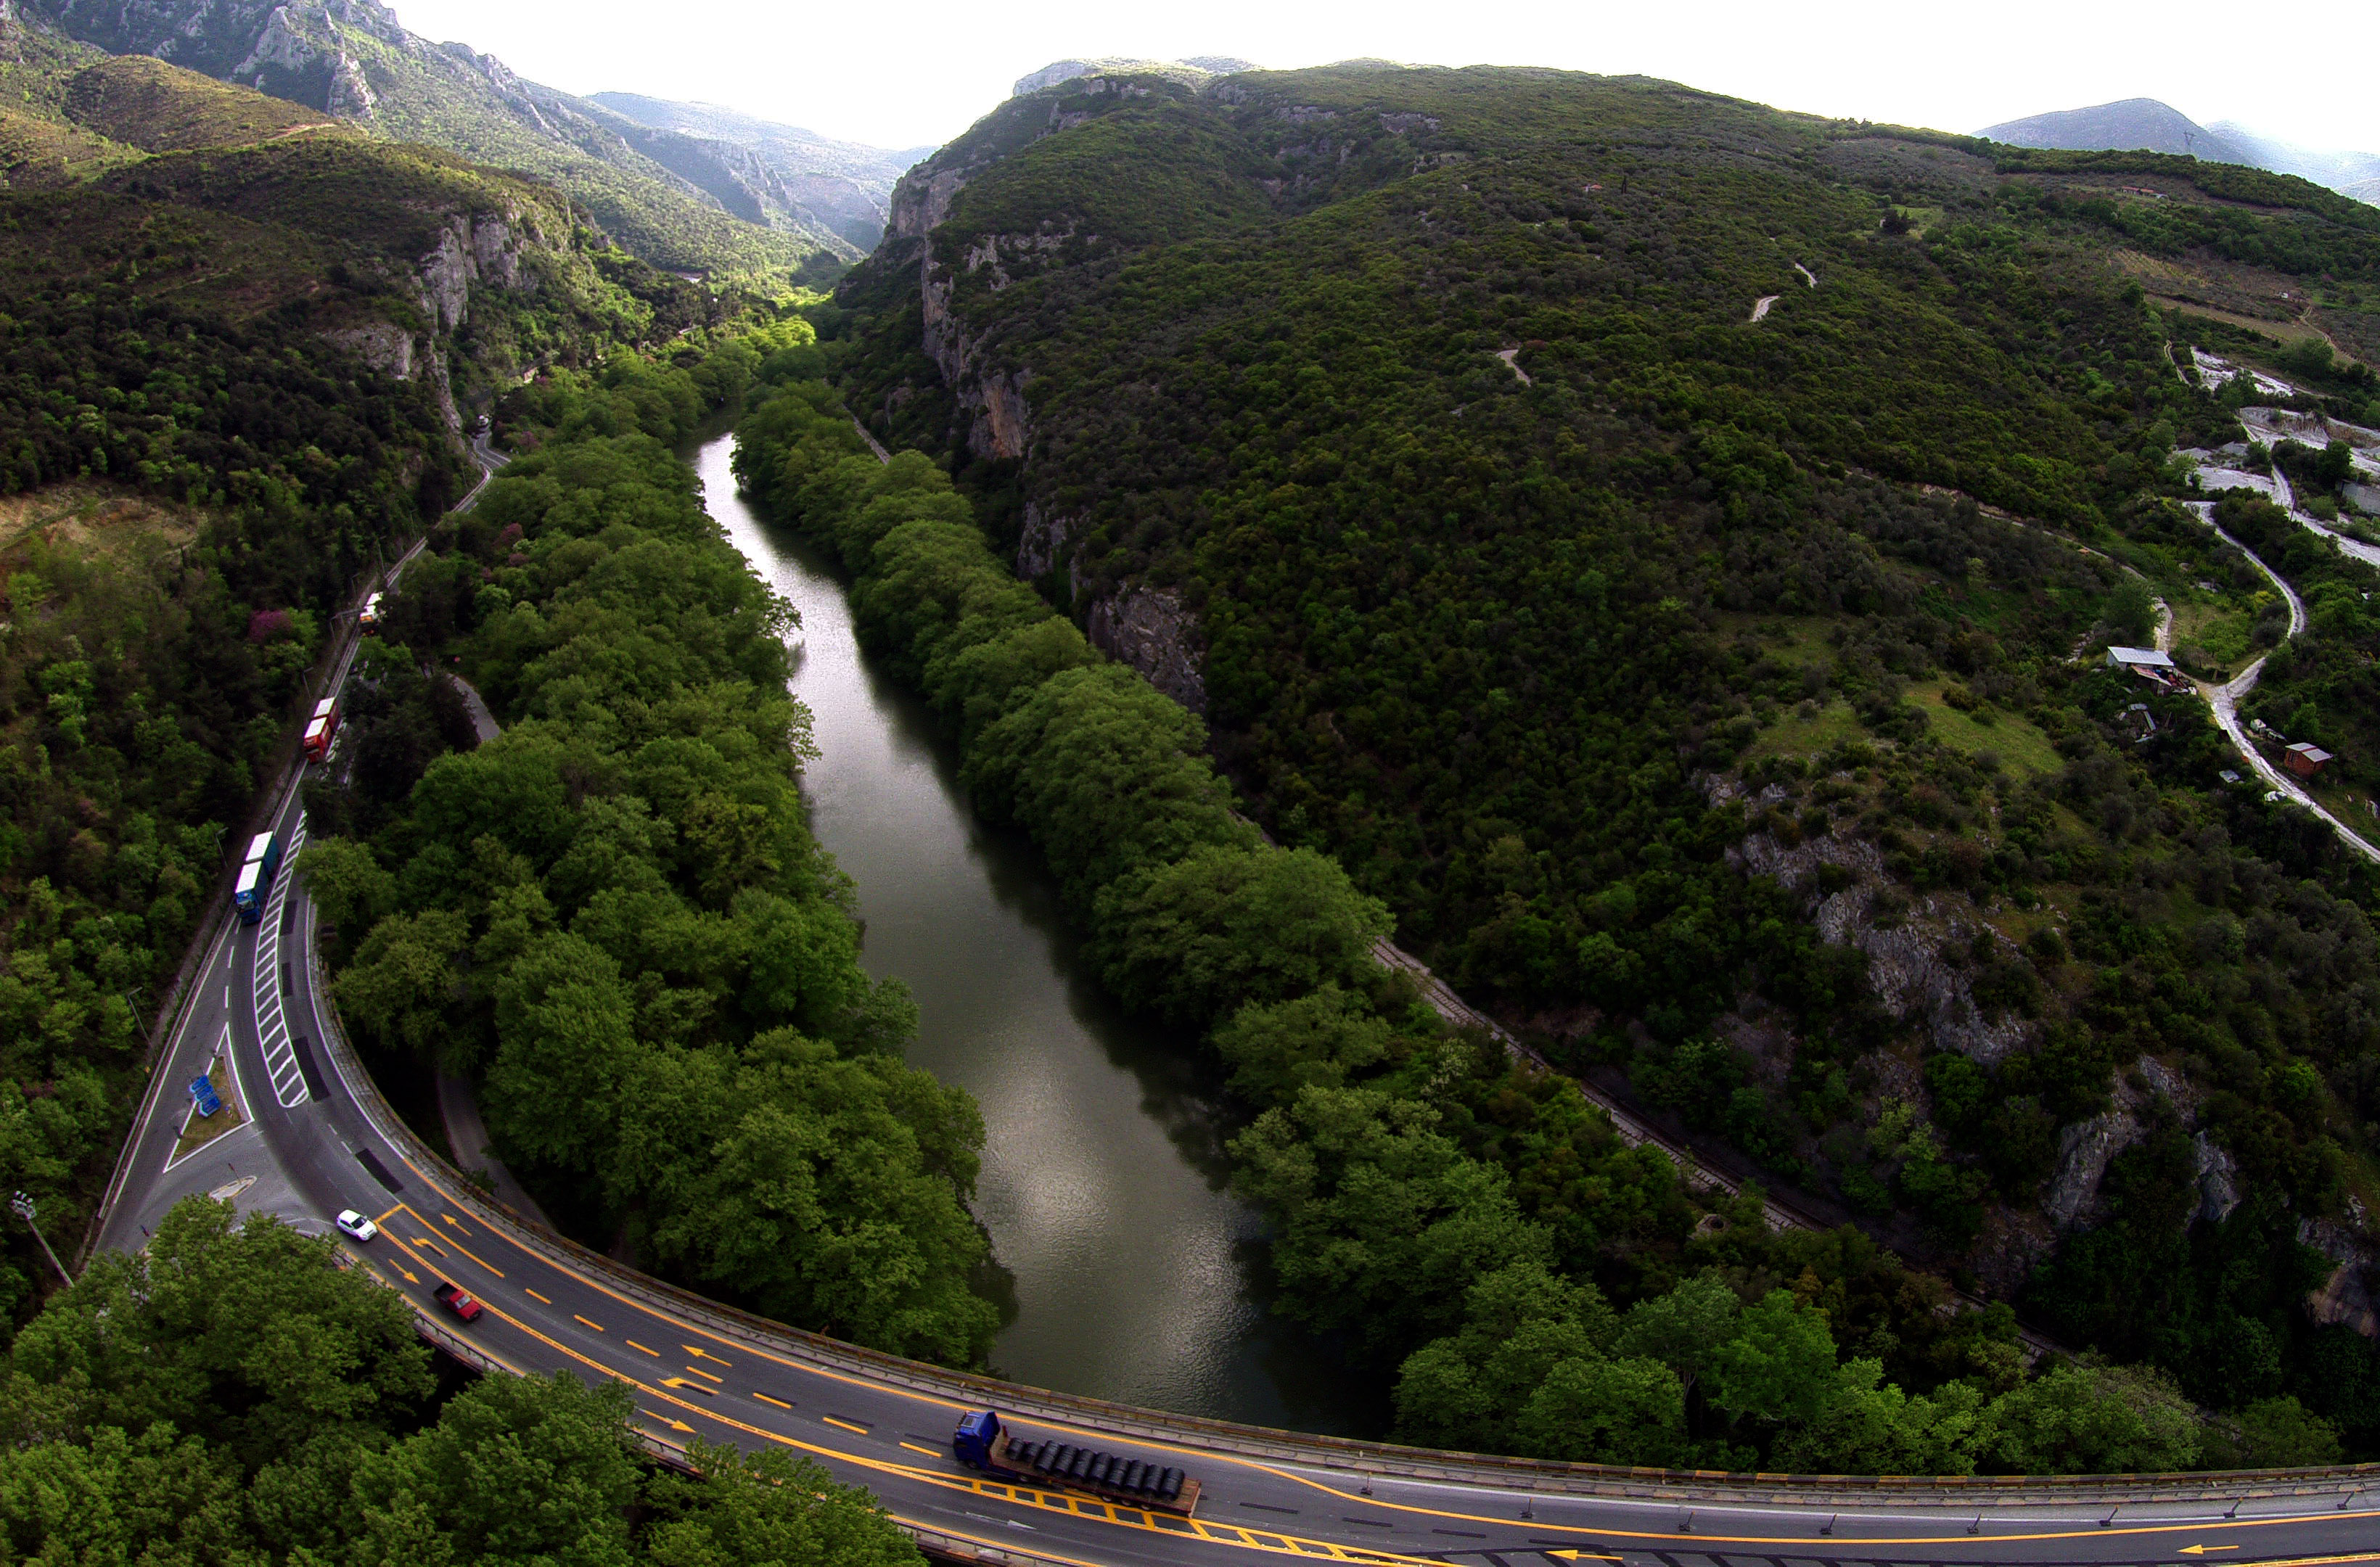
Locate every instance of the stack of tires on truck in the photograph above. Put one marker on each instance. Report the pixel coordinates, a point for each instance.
(981, 1442)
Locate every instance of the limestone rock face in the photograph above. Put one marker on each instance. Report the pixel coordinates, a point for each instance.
(2215, 1171)
(2348, 1296)
(388, 348)
(2084, 1151)
(1150, 629)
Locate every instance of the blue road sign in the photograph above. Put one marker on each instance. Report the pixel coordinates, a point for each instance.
(203, 1091)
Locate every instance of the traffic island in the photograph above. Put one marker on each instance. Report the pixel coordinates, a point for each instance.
(229, 1115)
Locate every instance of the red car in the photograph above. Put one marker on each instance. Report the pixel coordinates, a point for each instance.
(456, 1301)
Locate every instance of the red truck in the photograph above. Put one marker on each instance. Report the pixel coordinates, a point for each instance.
(321, 728)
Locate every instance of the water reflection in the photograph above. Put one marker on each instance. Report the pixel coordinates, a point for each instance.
(1127, 1259)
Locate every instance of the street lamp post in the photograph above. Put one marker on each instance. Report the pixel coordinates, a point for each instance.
(22, 1206)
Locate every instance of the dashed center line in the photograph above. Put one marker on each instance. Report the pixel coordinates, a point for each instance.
(859, 1430)
(913, 1447)
(707, 1375)
(535, 1296)
(597, 1326)
(633, 1344)
(764, 1398)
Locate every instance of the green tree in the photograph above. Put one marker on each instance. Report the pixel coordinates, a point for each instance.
(2091, 1419)
(1225, 926)
(1314, 1041)
(518, 1470)
(766, 1509)
(240, 1333)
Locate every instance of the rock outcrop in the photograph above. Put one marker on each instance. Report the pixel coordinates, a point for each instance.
(1150, 629)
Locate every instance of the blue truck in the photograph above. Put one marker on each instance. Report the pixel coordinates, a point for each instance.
(256, 872)
(982, 1443)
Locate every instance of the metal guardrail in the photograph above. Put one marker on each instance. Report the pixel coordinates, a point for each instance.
(1358, 1458)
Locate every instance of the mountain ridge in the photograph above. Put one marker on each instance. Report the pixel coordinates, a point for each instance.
(354, 59)
(2148, 124)
(762, 169)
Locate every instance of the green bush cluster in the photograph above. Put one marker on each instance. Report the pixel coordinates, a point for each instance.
(145, 1421)
(615, 917)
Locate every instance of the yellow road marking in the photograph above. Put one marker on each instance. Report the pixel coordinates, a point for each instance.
(597, 1326)
(707, 1375)
(385, 1218)
(426, 1241)
(846, 1425)
(764, 1398)
(458, 1245)
(913, 1447)
(633, 1344)
(1176, 1525)
(534, 1296)
(700, 1353)
(456, 1223)
(672, 1424)
(682, 1382)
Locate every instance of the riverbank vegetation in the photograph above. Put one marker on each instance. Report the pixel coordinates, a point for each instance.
(614, 916)
(1720, 702)
(143, 1424)
(1455, 1216)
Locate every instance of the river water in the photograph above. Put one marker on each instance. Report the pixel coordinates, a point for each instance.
(1125, 1257)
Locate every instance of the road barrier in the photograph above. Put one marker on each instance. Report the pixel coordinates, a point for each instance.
(1358, 1460)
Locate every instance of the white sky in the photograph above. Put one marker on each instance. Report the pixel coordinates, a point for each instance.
(920, 71)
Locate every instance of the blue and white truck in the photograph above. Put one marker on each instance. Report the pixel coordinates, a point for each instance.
(982, 1443)
(256, 873)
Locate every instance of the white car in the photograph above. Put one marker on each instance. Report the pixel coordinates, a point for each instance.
(355, 1226)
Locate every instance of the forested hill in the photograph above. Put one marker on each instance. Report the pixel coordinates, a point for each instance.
(677, 200)
(237, 347)
(1641, 536)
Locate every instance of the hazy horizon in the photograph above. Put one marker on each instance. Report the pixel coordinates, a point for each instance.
(839, 76)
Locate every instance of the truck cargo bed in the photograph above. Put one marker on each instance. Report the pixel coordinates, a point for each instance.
(1128, 1482)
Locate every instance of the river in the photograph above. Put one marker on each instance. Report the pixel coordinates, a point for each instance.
(1124, 1256)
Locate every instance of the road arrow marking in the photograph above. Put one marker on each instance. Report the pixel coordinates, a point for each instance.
(2202, 1550)
(1575, 1555)
(410, 1276)
(673, 1425)
(681, 1383)
(700, 1353)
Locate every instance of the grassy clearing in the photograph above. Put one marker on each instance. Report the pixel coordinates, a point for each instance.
(198, 1131)
(1795, 735)
(106, 518)
(2018, 742)
(2218, 627)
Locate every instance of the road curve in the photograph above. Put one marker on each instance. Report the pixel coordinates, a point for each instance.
(320, 1138)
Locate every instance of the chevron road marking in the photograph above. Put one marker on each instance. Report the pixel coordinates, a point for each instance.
(264, 984)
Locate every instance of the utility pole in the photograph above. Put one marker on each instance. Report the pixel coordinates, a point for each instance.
(23, 1207)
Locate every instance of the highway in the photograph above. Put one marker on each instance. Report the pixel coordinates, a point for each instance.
(316, 1138)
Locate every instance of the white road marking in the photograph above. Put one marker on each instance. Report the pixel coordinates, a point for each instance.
(272, 1024)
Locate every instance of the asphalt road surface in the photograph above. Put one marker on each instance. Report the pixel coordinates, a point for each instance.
(316, 1138)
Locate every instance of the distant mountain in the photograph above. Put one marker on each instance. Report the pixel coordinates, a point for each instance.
(2340, 171)
(1193, 72)
(353, 59)
(2134, 125)
(2145, 124)
(764, 172)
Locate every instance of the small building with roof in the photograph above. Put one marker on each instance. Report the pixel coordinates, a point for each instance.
(2306, 758)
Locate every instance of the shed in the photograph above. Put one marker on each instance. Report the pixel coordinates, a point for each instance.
(2137, 658)
(2306, 758)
